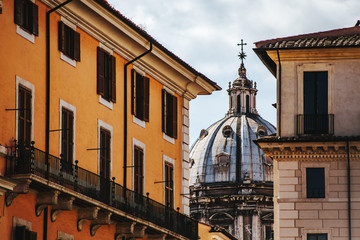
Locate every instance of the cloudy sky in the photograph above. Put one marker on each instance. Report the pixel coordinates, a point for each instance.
(205, 33)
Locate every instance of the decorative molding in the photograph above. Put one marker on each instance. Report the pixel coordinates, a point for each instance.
(64, 204)
(124, 229)
(85, 214)
(21, 188)
(43, 199)
(103, 218)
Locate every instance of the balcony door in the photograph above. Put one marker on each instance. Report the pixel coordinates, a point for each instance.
(316, 119)
(105, 161)
(67, 140)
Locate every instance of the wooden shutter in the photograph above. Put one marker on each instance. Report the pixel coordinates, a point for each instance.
(174, 117)
(146, 99)
(133, 77)
(33, 236)
(138, 170)
(20, 233)
(100, 71)
(35, 21)
(113, 78)
(19, 12)
(61, 36)
(139, 96)
(76, 46)
(163, 110)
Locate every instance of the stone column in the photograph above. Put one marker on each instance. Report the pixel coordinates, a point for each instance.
(256, 227)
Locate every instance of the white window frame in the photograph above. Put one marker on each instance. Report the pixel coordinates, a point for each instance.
(21, 222)
(108, 127)
(305, 232)
(63, 57)
(28, 36)
(103, 101)
(171, 161)
(68, 106)
(31, 87)
(64, 236)
(141, 145)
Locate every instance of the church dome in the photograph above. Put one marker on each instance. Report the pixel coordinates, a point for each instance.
(226, 152)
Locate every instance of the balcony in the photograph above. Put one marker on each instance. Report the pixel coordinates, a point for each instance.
(30, 160)
(315, 124)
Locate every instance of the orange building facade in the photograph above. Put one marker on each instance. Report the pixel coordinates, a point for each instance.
(94, 139)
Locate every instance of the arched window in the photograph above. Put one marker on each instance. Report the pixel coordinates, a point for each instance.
(247, 104)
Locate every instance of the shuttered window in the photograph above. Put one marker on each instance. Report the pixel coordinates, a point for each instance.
(138, 170)
(140, 96)
(22, 233)
(26, 16)
(169, 185)
(105, 153)
(106, 77)
(69, 41)
(67, 139)
(24, 116)
(169, 114)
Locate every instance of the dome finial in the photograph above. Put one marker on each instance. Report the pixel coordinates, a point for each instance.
(242, 56)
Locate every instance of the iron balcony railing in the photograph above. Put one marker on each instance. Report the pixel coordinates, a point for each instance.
(315, 124)
(25, 160)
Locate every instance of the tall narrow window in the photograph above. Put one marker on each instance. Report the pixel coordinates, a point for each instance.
(238, 104)
(67, 138)
(69, 41)
(106, 77)
(316, 102)
(317, 236)
(105, 157)
(169, 114)
(315, 182)
(26, 16)
(140, 96)
(247, 103)
(138, 170)
(24, 116)
(169, 185)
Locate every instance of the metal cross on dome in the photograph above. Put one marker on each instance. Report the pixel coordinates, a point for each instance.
(242, 55)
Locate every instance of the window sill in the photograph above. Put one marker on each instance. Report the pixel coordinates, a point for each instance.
(105, 102)
(24, 34)
(168, 138)
(138, 121)
(67, 59)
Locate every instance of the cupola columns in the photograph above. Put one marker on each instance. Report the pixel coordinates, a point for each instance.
(242, 93)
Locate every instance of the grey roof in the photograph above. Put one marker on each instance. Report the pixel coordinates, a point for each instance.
(245, 157)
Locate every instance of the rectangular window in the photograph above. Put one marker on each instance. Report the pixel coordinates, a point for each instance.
(69, 41)
(317, 236)
(24, 116)
(138, 170)
(26, 16)
(169, 114)
(106, 78)
(169, 185)
(316, 119)
(105, 154)
(22, 233)
(139, 96)
(67, 139)
(315, 182)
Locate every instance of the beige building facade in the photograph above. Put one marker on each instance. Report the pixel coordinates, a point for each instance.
(316, 148)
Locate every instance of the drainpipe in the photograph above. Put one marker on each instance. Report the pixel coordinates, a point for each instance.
(348, 187)
(125, 110)
(279, 96)
(47, 110)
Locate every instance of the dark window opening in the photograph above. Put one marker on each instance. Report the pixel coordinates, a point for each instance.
(26, 16)
(22, 233)
(169, 114)
(138, 170)
(316, 119)
(106, 78)
(169, 185)
(105, 151)
(315, 182)
(139, 96)
(69, 42)
(24, 116)
(67, 139)
(247, 104)
(238, 103)
(317, 236)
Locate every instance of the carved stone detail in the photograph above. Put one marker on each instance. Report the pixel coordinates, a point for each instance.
(102, 219)
(21, 188)
(124, 229)
(43, 199)
(64, 204)
(139, 231)
(84, 214)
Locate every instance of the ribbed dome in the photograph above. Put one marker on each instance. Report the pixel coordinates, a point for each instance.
(226, 151)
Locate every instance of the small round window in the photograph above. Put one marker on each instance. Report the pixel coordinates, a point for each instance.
(203, 133)
(261, 131)
(227, 131)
